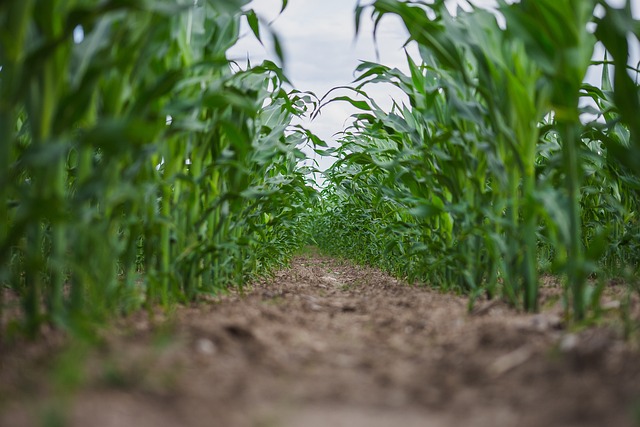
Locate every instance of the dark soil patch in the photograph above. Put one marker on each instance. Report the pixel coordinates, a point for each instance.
(327, 343)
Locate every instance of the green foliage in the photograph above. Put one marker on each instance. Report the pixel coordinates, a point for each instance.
(489, 170)
(136, 166)
(139, 166)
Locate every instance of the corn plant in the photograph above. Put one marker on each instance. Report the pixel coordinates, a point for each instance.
(137, 167)
(489, 168)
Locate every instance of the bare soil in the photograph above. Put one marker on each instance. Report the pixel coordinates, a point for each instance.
(328, 343)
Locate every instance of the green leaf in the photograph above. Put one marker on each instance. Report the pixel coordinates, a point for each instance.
(254, 23)
(277, 46)
(362, 105)
(426, 210)
(284, 5)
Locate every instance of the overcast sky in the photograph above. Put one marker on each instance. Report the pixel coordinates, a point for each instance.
(321, 52)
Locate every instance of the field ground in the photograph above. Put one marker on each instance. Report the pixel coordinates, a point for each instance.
(327, 343)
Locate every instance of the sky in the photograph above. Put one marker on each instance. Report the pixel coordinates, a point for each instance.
(321, 51)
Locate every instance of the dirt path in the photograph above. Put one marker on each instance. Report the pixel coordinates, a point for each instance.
(326, 343)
